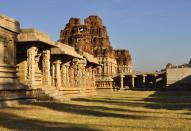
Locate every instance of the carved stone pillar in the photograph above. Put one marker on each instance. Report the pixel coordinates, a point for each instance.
(80, 73)
(57, 74)
(73, 73)
(86, 76)
(71, 76)
(63, 75)
(76, 77)
(93, 77)
(46, 67)
(31, 53)
(53, 74)
(105, 68)
(90, 77)
(67, 75)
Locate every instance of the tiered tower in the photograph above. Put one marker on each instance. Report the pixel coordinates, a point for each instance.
(92, 37)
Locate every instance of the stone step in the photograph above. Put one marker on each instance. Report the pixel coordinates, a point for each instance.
(49, 93)
(15, 100)
(5, 98)
(55, 94)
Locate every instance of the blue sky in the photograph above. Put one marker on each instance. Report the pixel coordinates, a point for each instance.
(154, 31)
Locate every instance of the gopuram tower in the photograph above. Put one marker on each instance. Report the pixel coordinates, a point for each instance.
(92, 37)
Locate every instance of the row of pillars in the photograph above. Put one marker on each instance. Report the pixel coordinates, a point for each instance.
(135, 80)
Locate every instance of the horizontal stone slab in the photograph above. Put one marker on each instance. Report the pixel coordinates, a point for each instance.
(34, 35)
(9, 23)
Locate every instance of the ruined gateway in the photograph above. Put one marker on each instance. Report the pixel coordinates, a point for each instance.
(92, 37)
(32, 66)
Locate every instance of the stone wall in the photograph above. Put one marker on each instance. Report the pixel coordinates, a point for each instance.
(178, 76)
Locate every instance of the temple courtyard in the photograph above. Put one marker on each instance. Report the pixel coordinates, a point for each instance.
(116, 111)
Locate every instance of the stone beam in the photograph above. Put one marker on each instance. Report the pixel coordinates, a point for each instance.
(9, 24)
(31, 35)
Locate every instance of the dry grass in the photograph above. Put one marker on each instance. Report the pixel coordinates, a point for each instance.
(116, 111)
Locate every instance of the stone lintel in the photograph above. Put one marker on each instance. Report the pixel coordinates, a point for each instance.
(91, 58)
(9, 24)
(63, 49)
(34, 35)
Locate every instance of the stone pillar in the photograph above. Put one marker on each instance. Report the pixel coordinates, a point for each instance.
(63, 75)
(71, 76)
(74, 73)
(67, 75)
(143, 81)
(58, 74)
(87, 76)
(121, 81)
(53, 74)
(93, 77)
(46, 67)
(133, 81)
(31, 53)
(81, 73)
(105, 68)
(90, 77)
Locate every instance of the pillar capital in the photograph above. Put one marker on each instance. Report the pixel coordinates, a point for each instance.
(122, 76)
(57, 62)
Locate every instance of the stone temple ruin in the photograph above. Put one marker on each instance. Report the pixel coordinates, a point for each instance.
(92, 37)
(32, 66)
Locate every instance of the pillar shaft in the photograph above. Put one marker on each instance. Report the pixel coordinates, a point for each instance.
(67, 75)
(31, 53)
(133, 82)
(46, 68)
(53, 74)
(57, 74)
(143, 81)
(121, 81)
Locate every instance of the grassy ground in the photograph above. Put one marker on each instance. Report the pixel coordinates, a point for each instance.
(110, 111)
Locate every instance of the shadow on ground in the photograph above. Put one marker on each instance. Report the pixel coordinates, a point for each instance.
(176, 96)
(16, 122)
(96, 111)
(161, 99)
(11, 121)
(171, 100)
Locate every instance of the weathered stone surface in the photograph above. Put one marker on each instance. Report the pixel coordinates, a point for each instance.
(56, 69)
(33, 57)
(44, 64)
(11, 91)
(124, 61)
(64, 49)
(9, 28)
(91, 37)
(178, 76)
(31, 35)
(9, 24)
(171, 66)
